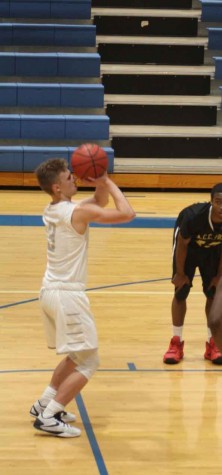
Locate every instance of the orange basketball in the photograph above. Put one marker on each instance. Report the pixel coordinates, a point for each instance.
(89, 160)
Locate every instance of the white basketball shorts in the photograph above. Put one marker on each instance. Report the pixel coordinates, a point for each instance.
(68, 321)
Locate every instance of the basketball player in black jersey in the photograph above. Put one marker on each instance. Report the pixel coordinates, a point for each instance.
(197, 243)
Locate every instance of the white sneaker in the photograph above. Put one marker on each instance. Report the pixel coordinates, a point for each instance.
(55, 426)
(38, 408)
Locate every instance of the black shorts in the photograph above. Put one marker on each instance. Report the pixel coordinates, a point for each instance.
(206, 260)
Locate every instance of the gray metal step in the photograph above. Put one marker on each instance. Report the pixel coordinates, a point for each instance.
(163, 100)
(153, 40)
(164, 131)
(205, 70)
(168, 165)
(196, 13)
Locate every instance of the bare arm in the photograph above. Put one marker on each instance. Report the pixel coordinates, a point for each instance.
(215, 316)
(101, 194)
(180, 278)
(90, 211)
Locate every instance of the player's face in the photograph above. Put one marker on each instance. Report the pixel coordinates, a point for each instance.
(217, 206)
(67, 184)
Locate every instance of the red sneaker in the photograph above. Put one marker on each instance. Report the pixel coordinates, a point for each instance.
(212, 353)
(175, 351)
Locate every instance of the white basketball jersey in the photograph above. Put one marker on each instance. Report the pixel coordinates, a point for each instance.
(67, 249)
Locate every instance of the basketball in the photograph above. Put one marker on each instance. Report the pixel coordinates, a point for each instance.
(89, 160)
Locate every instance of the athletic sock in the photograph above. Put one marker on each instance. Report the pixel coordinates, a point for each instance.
(209, 334)
(52, 408)
(47, 395)
(178, 331)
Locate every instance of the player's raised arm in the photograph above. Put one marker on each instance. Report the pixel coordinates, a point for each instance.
(88, 211)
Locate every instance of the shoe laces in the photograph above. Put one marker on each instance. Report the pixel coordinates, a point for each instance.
(173, 347)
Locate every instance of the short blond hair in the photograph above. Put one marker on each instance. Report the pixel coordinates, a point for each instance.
(48, 172)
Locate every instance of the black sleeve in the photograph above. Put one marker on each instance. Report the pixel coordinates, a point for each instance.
(185, 228)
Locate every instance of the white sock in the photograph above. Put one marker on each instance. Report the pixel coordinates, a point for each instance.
(178, 331)
(47, 395)
(52, 408)
(209, 334)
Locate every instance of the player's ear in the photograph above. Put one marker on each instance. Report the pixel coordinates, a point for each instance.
(55, 188)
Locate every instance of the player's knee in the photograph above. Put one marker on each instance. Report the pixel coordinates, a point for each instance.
(87, 362)
(183, 292)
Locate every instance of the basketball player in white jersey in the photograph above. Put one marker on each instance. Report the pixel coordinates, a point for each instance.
(69, 324)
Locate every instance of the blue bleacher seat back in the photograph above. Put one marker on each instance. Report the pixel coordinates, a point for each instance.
(211, 10)
(7, 64)
(78, 9)
(50, 64)
(11, 159)
(87, 127)
(54, 127)
(47, 34)
(32, 95)
(218, 67)
(215, 38)
(44, 127)
(4, 9)
(10, 126)
(82, 95)
(8, 94)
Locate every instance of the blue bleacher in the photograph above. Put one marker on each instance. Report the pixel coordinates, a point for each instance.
(50, 64)
(54, 127)
(53, 134)
(77, 9)
(215, 38)
(211, 10)
(218, 67)
(47, 34)
(27, 158)
(51, 95)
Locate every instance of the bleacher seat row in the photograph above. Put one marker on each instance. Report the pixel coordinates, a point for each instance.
(54, 127)
(50, 64)
(27, 158)
(51, 95)
(211, 10)
(70, 9)
(47, 34)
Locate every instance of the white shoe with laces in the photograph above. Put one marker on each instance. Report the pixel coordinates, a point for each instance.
(55, 426)
(38, 408)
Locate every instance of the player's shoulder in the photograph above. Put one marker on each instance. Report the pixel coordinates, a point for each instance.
(195, 210)
(59, 212)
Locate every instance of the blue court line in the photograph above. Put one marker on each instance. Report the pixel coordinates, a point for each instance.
(131, 366)
(128, 283)
(123, 370)
(138, 222)
(18, 303)
(91, 436)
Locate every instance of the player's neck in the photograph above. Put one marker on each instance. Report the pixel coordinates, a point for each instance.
(59, 199)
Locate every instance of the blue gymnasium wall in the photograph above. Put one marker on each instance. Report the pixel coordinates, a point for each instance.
(26, 139)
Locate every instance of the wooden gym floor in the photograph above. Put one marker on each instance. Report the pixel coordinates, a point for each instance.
(137, 415)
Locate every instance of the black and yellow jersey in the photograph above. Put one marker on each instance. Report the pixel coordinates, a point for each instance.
(194, 222)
